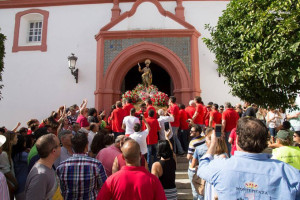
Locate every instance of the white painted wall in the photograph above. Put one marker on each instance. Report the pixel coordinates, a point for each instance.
(35, 83)
(198, 14)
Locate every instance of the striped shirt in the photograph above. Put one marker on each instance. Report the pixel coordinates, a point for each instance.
(196, 141)
(81, 177)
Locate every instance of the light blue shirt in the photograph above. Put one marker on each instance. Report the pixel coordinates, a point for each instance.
(247, 176)
(200, 151)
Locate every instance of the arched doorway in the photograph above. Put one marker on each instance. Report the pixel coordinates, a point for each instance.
(109, 82)
(160, 78)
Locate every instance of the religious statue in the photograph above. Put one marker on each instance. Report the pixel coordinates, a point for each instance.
(147, 74)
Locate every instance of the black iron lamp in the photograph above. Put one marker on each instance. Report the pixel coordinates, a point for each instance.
(72, 63)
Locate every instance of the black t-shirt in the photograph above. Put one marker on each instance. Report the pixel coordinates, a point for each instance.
(168, 178)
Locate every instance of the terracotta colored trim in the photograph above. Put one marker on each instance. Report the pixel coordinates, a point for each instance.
(43, 45)
(44, 3)
(179, 10)
(115, 11)
(134, 8)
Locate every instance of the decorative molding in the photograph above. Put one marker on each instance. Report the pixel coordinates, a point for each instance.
(179, 10)
(43, 46)
(134, 8)
(181, 46)
(44, 3)
(115, 11)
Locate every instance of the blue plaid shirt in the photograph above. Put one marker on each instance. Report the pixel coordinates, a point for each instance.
(80, 177)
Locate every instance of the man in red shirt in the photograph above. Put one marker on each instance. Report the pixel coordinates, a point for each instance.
(191, 109)
(229, 122)
(116, 119)
(152, 138)
(198, 117)
(183, 128)
(174, 110)
(207, 115)
(132, 181)
(148, 103)
(127, 107)
(215, 116)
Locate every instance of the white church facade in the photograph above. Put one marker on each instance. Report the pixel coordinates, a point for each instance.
(109, 38)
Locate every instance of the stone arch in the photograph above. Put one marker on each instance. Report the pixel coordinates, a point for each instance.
(116, 72)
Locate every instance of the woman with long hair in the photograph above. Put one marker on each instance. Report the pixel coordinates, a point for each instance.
(165, 168)
(6, 162)
(220, 152)
(19, 156)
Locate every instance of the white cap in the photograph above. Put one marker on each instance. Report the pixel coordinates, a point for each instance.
(2, 140)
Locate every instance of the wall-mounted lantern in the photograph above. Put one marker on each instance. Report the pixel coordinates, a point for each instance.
(72, 63)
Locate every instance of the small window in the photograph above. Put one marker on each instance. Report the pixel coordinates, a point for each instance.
(31, 30)
(35, 31)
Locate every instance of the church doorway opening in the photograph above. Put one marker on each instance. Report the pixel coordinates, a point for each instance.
(160, 78)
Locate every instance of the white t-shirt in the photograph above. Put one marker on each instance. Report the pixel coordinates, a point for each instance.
(129, 122)
(91, 136)
(272, 122)
(140, 137)
(161, 120)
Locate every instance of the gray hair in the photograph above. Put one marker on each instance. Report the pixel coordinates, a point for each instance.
(64, 133)
(191, 102)
(161, 112)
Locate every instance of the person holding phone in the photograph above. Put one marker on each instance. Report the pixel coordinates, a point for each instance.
(220, 152)
(164, 120)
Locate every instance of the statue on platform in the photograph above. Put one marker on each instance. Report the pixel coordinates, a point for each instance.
(147, 74)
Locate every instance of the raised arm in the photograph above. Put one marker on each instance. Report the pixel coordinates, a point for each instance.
(16, 128)
(63, 114)
(140, 69)
(83, 105)
(167, 135)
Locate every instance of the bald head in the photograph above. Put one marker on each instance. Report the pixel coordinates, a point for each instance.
(131, 152)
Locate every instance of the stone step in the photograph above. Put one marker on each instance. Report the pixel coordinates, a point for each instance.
(182, 159)
(184, 194)
(182, 166)
(183, 183)
(181, 174)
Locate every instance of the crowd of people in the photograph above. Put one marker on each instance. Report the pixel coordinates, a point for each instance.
(131, 153)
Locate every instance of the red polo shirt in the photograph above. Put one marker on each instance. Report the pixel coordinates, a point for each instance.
(231, 117)
(132, 183)
(200, 116)
(174, 110)
(150, 107)
(182, 119)
(152, 137)
(206, 118)
(217, 117)
(117, 117)
(190, 110)
(127, 108)
(82, 121)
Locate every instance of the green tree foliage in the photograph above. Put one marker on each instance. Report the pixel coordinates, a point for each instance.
(256, 43)
(2, 54)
